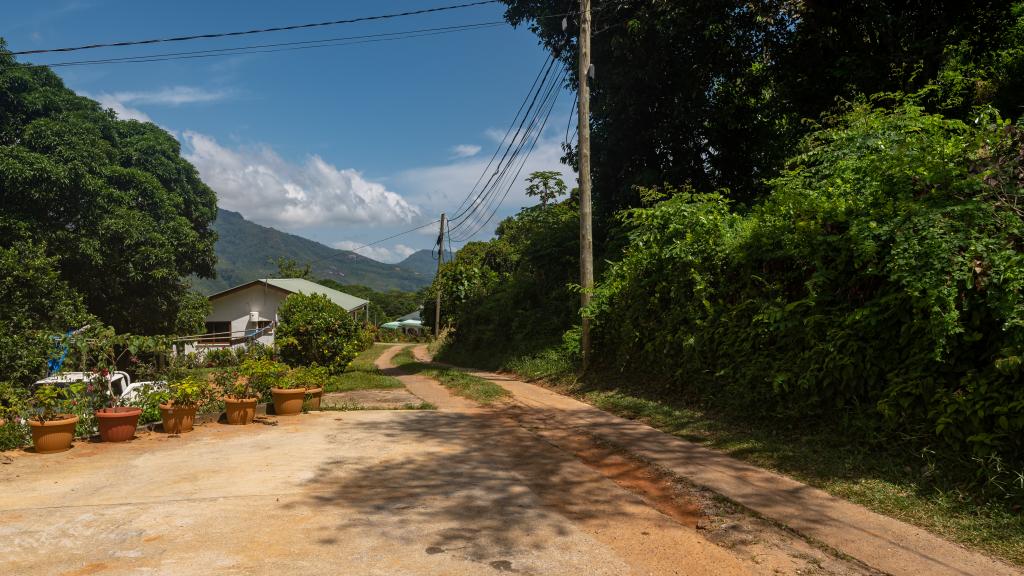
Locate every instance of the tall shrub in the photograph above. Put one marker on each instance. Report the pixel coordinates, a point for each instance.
(313, 330)
(881, 284)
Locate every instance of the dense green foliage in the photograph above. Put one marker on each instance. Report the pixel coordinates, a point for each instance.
(385, 305)
(511, 295)
(843, 244)
(881, 282)
(246, 251)
(35, 305)
(124, 217)
(102, 222)
(313, 330)
(713, 93)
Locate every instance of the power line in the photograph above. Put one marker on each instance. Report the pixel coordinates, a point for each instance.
(497, 206)
(504, 138)
(285, 46)
(482, 205)
(515, 142)
(374, 243)
(257, 30)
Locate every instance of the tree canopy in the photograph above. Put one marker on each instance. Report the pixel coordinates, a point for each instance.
(717, 93)
(109, 205)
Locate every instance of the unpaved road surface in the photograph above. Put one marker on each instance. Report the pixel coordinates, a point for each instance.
(460, 490)
(366, 492)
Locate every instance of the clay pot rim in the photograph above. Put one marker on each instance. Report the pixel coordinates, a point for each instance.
(67, 419)
(176, 407)
(252, 400)
(314, 390)
(287, 390)
(118, 412)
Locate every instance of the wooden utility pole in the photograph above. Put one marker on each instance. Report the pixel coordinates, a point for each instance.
(586, 230)
(440, 260)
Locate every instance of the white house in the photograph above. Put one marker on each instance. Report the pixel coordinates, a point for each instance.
(249, 312)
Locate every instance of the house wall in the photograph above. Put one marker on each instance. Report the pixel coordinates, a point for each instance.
(265, 300)
(236, 306)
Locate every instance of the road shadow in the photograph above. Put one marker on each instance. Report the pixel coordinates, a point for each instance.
(480, 487)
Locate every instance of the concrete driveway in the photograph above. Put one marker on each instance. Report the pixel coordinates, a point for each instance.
(367, 492)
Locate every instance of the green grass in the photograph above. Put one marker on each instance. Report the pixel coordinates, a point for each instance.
(459, 382)
(362, 374)
(364, 362)
(892, 480)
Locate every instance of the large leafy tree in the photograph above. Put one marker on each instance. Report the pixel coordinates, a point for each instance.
(715, 93)
(122, 216)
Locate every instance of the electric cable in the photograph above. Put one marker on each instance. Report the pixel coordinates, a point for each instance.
(257, 30)
(279, 47)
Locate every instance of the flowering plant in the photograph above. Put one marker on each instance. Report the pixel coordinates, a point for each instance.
(50, 402)
(235, 385)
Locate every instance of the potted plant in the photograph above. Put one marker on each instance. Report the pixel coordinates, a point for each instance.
(180, 401)
(240, 397)
(289, 394)
(53, 428)
(313, 379)
(116, 422)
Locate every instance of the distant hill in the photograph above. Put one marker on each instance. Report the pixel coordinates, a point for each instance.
(423, 262)
(246, 251)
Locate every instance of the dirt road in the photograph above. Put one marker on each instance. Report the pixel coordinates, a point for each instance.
(459, 490)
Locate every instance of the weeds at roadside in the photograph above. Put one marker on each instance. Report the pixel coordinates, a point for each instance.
(459, 382)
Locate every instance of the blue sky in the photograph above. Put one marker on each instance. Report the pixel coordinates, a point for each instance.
(344, 145)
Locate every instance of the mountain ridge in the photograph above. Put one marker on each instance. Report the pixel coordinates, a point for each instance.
(247, 251)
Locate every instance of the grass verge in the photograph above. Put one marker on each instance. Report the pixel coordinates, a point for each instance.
(892, 480)
(459, 382)
(363, 374)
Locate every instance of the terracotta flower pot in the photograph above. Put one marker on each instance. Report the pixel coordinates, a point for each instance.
(177, 419)
(240, 411)
(118, 424)
(53, 435)
(313, 396)
(288, 401)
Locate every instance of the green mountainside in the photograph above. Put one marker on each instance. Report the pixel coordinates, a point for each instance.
(247, 251)
(424, 262)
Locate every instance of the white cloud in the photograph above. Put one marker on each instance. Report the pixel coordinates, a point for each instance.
(125, 103)
(465, 150)
(443, 187)
(123, 112)
(170, 96)
(392, 255)
(264, 187)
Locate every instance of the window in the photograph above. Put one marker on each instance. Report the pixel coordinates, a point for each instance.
(219, 334)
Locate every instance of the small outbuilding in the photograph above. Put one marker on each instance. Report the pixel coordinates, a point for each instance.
(248, 312)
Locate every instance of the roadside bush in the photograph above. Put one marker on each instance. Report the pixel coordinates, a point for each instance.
(253, 351)
(220, 358)
(13, 432)
(511, 296)
(881, 285)
(313, 330)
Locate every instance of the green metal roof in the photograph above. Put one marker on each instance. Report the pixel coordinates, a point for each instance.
(300, 286)
(346, 301)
